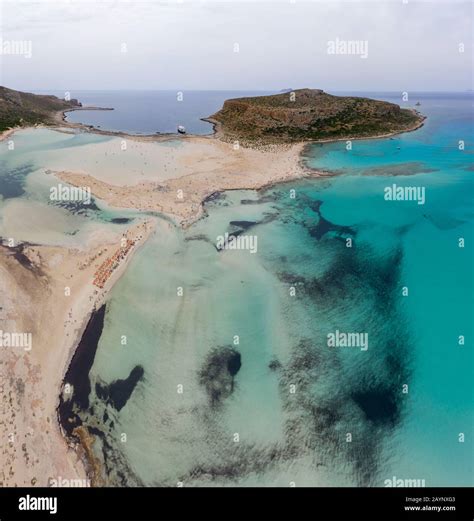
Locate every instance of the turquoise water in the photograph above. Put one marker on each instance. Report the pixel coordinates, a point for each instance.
(27, 213)
(301, 436)
(290, 398)
(437, 272)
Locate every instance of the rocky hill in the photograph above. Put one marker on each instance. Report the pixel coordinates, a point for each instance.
(23, 108)
(307, 114)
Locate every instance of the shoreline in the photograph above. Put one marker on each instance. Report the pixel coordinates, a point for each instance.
(181, 197)
(270, 165)
(37, 293)
(10, 131)
(287, 164)
(60, 119)
(219, 133)
(217, 130)
(303, 172)
(83, 444)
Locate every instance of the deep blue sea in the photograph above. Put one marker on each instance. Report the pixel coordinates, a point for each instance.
(148, 112)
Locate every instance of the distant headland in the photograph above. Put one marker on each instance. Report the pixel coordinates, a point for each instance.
(25, 109)
(22, 109)
(300, 115)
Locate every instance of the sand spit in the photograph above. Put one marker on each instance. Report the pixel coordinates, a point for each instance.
(202, 165)
(197, 169)
(48, 292)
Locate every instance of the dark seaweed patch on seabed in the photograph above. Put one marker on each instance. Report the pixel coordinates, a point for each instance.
(379, 404)
(218, 372)
(120, 220)
(237, 228)
(117, 469)
(78, 410)
(409, 168)
(215, 199)
(353, 274)
(245, 225)
(323, 226)
(315, 426)
(238, 460)
(77, 375)
(369, 404)
(25, 261)
(119, 391)
(261, 200)
(13, 179)
(77, 207)
(316, 423)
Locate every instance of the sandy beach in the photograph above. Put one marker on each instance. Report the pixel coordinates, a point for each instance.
(35, 280)
(5, 134)
(172, 178)
(50, 294)
(191, 172)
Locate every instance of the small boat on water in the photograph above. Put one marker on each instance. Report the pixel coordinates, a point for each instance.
(417, 104)
(181, 129)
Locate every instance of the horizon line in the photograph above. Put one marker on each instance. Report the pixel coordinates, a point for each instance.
(241, 90)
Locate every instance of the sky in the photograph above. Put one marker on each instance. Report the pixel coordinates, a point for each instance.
(395, 45)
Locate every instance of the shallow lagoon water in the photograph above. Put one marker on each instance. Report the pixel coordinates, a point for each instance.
(26, 211)
(301, 437)
(290, 398)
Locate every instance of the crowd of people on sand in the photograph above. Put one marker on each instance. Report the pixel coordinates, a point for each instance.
(108, 266)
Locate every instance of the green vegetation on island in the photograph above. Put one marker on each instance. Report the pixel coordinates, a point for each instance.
(308, 114)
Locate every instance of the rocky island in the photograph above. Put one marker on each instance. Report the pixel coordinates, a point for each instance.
(310, 114)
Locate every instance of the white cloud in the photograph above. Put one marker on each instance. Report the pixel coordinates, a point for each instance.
(189, 45)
